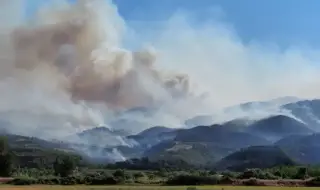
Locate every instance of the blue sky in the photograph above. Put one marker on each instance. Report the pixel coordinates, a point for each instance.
(285, 22)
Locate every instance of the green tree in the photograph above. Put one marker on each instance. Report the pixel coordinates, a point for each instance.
(64, 165)
(6, 158)
(302, 173)
(119, 174)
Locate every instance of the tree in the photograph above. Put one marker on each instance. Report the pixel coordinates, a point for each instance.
(119, 174)
(302, 173)
(6, 159)
(64, 165)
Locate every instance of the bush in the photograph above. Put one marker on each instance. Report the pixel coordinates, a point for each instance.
(285, 172)
(151, 176)
(315, 182)
(226, 180)
(230, 174)
(64, 166)
(119, 174)
(23, 181)
(99, 178)
(103, 181)
(192, 180)
(252, 182)
(257, 173)
(71, 180)
(302, 173)
(49, 180)
(138, 175)
(6, 158)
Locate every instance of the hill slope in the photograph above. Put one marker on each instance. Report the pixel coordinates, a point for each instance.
(306, 110)
(303, 149)
(220, 135)
(277, 127)
(254, 157)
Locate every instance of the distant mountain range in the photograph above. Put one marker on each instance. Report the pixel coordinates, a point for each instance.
(287, 138)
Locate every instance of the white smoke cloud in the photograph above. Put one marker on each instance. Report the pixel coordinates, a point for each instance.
(70, 71)
(232, 71)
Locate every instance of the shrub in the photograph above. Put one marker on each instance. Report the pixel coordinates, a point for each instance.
(103, 181)
(23, 181)
(226, 180)
(6, 158)
(315, 182)
(119, 174)
(71, 180)
(64, 166)
(151, 176)
(49, 180)
(230, 174)
(252, 182)
(138, 175)
(257, 173)
(302, 173)
(192, 180)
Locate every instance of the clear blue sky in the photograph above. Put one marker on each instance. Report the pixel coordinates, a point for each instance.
(284, 22)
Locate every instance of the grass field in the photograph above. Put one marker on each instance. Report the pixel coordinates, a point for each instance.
(149, 188)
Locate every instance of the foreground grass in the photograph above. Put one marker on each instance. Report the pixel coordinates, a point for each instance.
(41, 187)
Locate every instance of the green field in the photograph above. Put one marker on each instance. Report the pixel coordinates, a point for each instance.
(36, 187)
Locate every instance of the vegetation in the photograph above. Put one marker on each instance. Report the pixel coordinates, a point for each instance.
(62, 168)
(126, 187)
(6, 160)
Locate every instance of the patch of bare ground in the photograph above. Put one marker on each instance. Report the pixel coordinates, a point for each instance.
(5, 179)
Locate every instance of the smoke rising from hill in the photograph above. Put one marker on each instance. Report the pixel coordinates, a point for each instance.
(67, 70)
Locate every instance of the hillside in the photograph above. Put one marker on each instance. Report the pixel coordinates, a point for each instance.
(306, 110)
(254, 157)
(203, 144)
(277, 127)
(153, 136)
(220, 135)
(199, 120)
(303, 149)
(99, 136)
(33, 152)
(191, 152)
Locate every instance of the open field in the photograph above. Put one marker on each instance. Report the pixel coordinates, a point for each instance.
(37, 187)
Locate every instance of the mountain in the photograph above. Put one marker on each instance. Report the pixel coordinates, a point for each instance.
(254, 157)
(100, 136)
(306, 110)
(211, 143)
(220, 135)
(190, 152)
(270, 103)
(276, 127)
(154, 131)
(32, 151)
(203, 144)
(153, 136)
(289, 140)
(304, 149)
(199, 120)
(229, 143)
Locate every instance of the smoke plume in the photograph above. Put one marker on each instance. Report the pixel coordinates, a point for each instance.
(67, 69)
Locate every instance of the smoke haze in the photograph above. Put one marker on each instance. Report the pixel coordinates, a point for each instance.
(68, 70)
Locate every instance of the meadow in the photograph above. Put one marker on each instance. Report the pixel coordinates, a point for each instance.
(39, 187)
